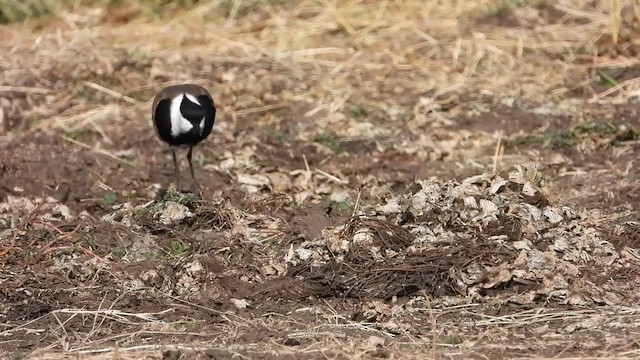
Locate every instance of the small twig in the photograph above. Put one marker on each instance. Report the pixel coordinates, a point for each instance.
(332, 177)
(63, 235)
(86, 251)
(339, 16)
(612, 90)
(111, 92)
(234, 12)
(225, 315)
(306, 163)
(13, 327)
(260, 109)
(95, 325)
(356, 207)
(496, 154)
(99, 151)
(101, 131)
(117, 314)
(105, 187)
(48, 225)
(614, 19)
(24, 90)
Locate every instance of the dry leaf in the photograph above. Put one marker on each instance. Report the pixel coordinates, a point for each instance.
(173, 212)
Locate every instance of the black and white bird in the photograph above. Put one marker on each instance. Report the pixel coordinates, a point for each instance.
(183, 116)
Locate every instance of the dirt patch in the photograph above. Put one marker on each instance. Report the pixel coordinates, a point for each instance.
(526, 14)
(245, 251)
(310, 222)
(512, 119)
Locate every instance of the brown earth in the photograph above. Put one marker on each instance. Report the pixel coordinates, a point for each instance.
(310, 239)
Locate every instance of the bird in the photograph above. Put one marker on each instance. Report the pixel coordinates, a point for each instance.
(183, 115)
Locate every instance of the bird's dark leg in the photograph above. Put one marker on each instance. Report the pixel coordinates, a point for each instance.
(195, 182)
(176, 169)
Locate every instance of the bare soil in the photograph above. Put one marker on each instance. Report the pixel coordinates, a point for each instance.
(337, 215)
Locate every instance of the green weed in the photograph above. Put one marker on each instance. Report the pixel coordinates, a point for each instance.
(178, 248)
(607, 79)
(188, 200)
(274, 134)
(452, 339)
(567, 138)
(342, 207)
(118, 253)
(20, 10)
(357, 111)
(330, 141)
(109, 198)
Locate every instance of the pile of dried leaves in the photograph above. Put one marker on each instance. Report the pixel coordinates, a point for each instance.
(487, 236)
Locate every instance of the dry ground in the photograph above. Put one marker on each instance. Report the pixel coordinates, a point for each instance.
(386, 179)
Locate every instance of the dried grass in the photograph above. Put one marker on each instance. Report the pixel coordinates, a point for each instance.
(320, 340)
(442, 45)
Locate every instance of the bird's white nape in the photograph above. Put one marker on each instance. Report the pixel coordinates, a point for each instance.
(179, 125)
(193, 99)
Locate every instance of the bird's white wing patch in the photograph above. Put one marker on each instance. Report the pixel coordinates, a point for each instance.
(202, 125)
(179, 125)
(193, 99)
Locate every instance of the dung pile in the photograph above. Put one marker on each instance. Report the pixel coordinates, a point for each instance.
(487, 237)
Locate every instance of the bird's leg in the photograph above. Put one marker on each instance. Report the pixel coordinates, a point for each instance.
(195, 182)
(176, 169)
